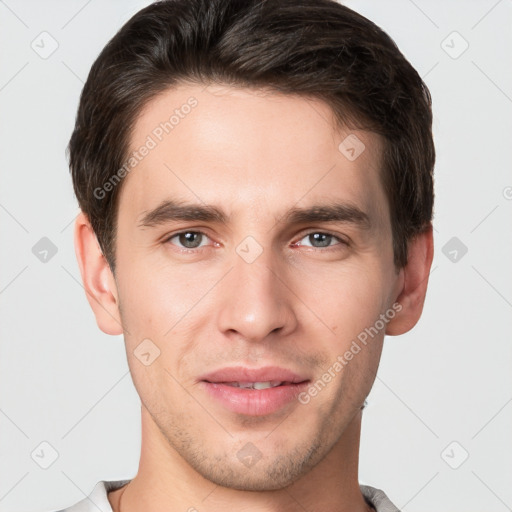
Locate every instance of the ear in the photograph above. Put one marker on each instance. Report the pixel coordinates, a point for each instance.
(414, 277)
(97, 278)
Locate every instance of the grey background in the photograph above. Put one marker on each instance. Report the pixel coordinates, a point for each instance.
(443, 391)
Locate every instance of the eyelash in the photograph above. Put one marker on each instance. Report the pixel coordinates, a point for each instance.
(324, 249)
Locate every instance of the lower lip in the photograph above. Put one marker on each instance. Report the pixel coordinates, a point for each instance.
(254, 402)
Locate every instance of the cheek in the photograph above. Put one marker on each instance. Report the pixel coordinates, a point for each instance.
(345, 300)
(168, 307)
(156, 321)
(155, 299)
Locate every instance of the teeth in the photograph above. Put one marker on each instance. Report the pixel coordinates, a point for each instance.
(256, 385)
(263, 385)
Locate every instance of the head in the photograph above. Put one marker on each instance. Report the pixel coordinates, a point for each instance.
(255, 180)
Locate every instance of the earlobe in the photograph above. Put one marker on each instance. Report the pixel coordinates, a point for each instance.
(97, 278)
(411, 297)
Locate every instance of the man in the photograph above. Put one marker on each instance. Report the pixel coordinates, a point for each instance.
(256, 193)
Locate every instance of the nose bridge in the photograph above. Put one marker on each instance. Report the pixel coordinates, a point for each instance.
(254, 301)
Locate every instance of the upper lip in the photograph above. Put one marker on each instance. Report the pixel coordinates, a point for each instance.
(245, 374)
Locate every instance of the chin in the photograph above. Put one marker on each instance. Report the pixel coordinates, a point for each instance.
(249, 479)
(267, 474)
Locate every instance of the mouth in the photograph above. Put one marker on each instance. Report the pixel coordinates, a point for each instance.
(256, 391)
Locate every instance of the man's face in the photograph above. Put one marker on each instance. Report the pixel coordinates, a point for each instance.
(259, 289)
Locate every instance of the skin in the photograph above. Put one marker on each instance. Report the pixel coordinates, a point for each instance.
(298, 305)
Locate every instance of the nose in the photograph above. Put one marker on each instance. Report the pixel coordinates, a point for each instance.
(256, 300)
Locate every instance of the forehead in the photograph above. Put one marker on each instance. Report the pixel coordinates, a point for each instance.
(241, 147)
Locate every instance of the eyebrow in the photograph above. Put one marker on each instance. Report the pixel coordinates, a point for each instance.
(173, 210)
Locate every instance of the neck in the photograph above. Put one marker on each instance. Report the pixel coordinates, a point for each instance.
(165, 481)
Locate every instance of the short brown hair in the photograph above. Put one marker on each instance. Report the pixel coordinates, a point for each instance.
(315, 48)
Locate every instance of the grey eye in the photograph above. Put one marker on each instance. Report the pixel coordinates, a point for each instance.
(189, 239)
(319, 239)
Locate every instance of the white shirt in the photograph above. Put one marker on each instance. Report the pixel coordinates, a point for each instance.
(97, 501)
